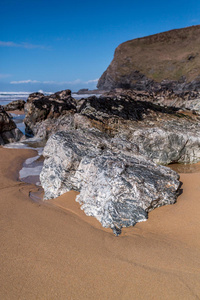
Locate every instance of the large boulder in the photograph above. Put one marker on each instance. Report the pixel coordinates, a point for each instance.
(39, 108)
(15, 105)
(163, 134)
(116, 184)
(8, 130)
(109, 150)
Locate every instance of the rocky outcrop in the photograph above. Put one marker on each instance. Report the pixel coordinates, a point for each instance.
(163, 134)
(39, 108)
(168, 60)
(117, 185)
(103, 112)
(15, 105)
(108, 148)
(8, 130)
(187, 101)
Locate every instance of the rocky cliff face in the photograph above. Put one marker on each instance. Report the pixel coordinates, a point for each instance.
(168, 60)
(8, 130)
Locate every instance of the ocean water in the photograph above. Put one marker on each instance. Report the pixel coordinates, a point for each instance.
(7, 97)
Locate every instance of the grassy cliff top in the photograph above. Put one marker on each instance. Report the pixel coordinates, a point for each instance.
(167, 55)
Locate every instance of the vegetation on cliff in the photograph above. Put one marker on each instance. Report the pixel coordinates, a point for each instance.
(163, 58)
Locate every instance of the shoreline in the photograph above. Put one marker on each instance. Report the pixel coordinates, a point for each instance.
(16, 112)
(54, 253)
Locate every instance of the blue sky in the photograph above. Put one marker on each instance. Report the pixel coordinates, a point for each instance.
(54, 45)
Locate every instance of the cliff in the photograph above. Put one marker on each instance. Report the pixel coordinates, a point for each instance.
(166, 60)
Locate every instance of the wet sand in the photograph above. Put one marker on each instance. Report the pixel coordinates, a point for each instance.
(16, 112)
(48, 252)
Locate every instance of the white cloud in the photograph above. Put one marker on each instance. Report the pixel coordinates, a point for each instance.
(92, 81)
(25, 81)
(77, 81)
(21, 45)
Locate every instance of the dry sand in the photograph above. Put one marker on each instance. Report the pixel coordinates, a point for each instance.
(52, 253)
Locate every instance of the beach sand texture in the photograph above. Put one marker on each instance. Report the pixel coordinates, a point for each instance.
(48, 252)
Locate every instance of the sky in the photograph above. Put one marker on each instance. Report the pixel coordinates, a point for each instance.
(55, 45)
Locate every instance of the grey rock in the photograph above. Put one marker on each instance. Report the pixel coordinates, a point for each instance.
(44, 129)
(120, 190)
(165, 139)
(117, 185)
(63, 153)
(168, 146)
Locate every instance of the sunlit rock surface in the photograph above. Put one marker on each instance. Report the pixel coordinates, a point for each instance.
(116, 185)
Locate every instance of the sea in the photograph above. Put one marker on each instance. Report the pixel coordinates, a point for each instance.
(7, 97)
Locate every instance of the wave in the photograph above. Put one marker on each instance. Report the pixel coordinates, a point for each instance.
(6, 97)
(15, 93)
(24, 94)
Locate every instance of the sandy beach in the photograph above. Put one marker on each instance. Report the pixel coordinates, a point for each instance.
(54, 251)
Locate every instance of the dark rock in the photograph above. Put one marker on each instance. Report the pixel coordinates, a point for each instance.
(89, 92)
(39, 108)
(8, 130)
(15, 105)
(82, 91)
(186, 100)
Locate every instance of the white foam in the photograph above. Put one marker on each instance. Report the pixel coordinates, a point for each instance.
(31, 160)
(34, 171)
(15, 93)
(17, 146)
(30, 167)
